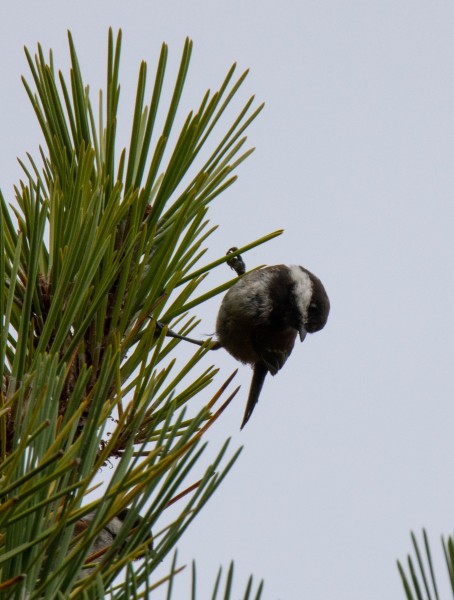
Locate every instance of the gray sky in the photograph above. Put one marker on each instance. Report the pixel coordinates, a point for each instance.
(351, 444)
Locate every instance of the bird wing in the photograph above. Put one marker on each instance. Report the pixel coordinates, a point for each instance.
(274, 347)
(274, 359)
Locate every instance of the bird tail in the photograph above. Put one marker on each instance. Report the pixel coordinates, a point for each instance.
(258, 377)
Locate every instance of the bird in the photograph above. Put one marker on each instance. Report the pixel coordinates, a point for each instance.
(261, 316)
(106, 536)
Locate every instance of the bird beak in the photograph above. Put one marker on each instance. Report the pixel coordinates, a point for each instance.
(302, 332)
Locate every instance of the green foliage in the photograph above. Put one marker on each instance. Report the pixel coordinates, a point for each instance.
(420, 582)
(97, 260)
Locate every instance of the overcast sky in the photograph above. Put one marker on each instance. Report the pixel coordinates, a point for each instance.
(351, 445)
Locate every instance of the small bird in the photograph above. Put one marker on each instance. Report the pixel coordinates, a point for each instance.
(261, 315)
(106, 536)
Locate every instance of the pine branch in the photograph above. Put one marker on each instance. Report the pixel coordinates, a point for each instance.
(101, 247)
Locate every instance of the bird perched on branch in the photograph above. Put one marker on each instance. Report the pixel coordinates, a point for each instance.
(262, 314)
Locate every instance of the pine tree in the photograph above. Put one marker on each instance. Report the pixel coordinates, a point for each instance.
(101, 260)
(421, 580)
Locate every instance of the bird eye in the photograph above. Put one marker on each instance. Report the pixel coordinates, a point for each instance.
(313, 305)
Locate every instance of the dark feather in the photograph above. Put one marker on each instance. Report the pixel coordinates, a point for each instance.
(258, 377)
(274, 360)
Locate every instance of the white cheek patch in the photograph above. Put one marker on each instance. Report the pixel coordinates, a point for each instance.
(303, 289)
